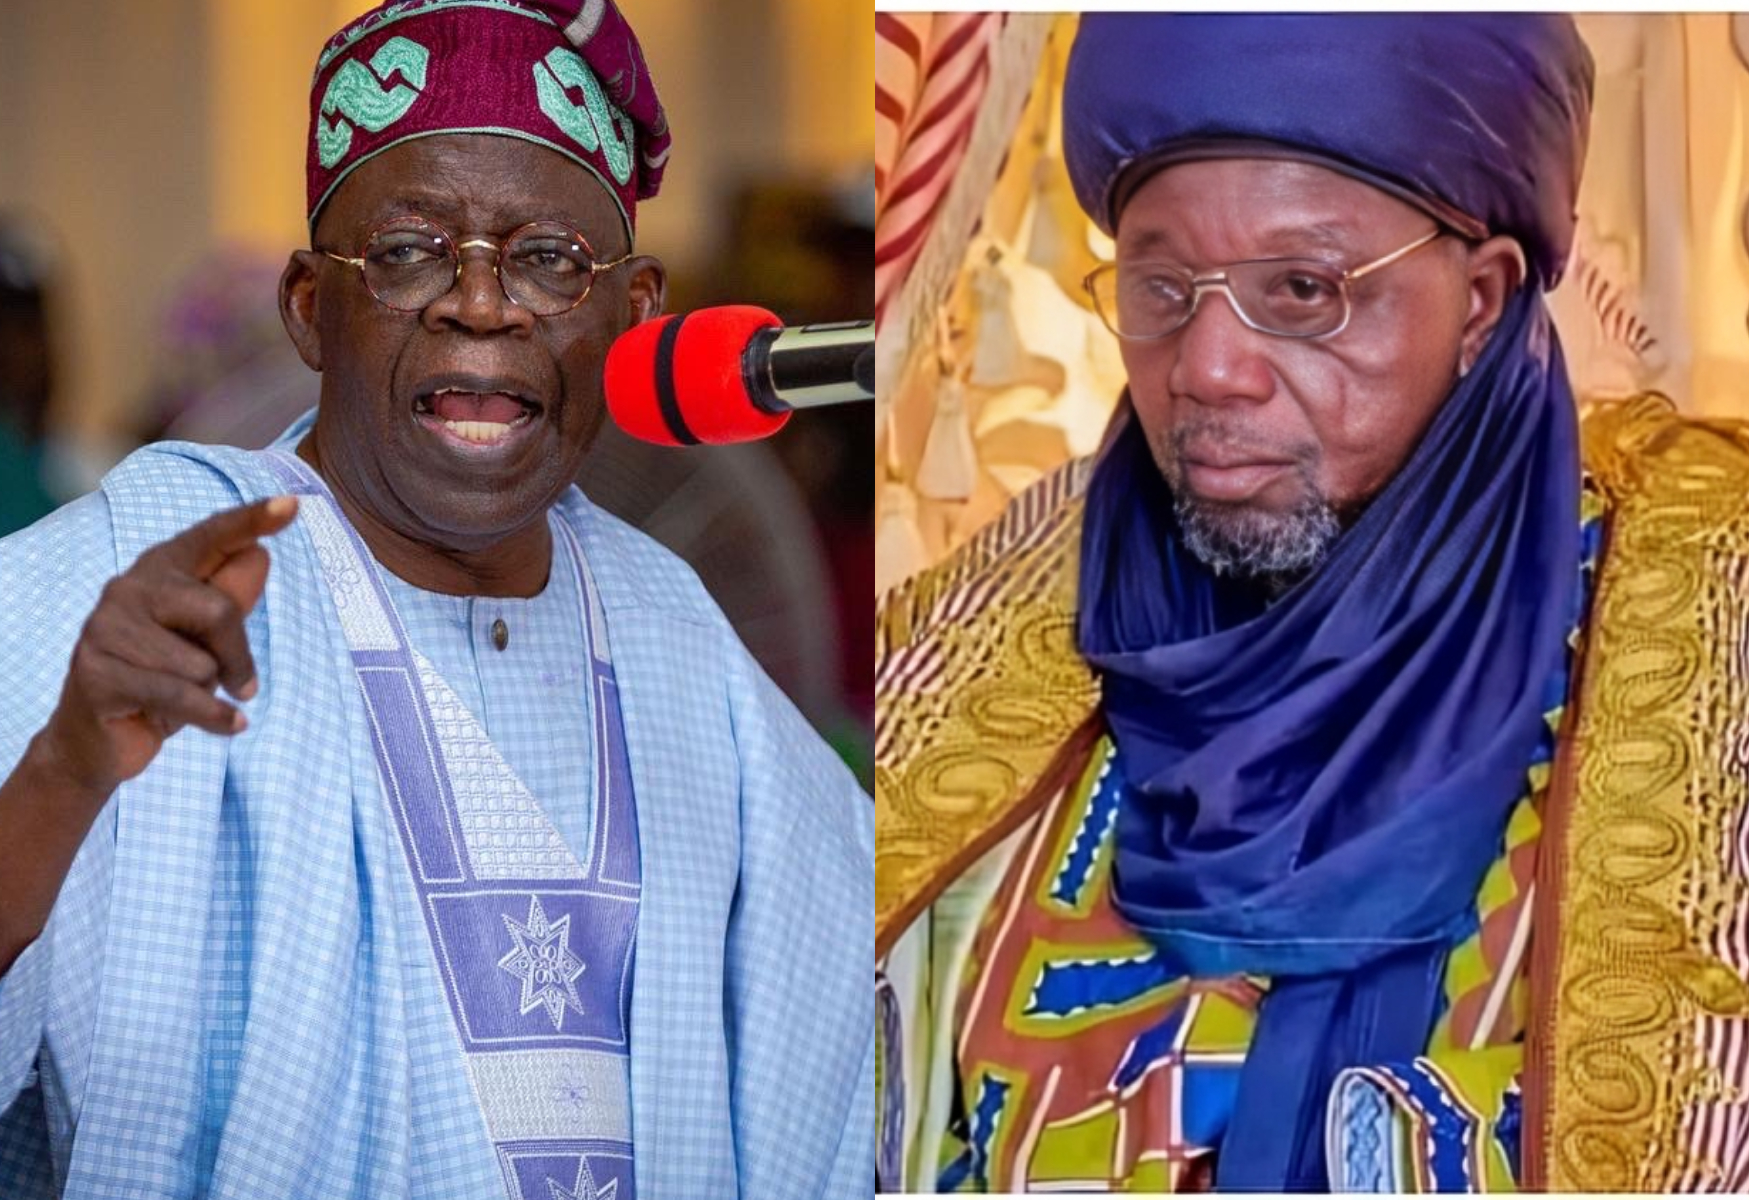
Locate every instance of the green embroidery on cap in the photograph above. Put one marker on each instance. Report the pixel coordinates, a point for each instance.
(363, 99)
(595, 123)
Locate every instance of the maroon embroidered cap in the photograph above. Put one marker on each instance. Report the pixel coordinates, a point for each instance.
(565, 74)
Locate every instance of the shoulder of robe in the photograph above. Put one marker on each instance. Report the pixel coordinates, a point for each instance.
(160, 490)
(1041, 525)
(1640, 448)
(981, 697)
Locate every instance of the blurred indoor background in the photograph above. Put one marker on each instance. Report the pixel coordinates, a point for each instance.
(993, 369)
(152, 183)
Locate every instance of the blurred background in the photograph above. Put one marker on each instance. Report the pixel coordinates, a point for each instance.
(992, 369)
(151, 186)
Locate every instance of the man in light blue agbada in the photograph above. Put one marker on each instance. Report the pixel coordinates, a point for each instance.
(459, 849)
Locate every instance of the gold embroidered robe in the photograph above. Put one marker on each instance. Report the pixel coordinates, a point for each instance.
(1637, 1051)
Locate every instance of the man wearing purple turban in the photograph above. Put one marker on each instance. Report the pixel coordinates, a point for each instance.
(503, 870)
(1336, 783)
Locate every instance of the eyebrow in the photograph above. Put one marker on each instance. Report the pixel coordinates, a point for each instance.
(1284, 240)
(446, 210)
(433, 204)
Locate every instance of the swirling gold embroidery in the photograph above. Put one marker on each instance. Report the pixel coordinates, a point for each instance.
(1647, 881)
(981, 688)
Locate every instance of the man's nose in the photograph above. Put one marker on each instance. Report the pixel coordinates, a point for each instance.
(1219, 358)
(478, 301)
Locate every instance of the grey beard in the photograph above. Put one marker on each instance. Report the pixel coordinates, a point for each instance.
(1277, 548)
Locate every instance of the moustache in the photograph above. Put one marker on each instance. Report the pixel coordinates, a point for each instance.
(1205, 441)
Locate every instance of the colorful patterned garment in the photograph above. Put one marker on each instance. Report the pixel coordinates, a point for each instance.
(1084, 1062)
(1093, 1067)
(1639, 895)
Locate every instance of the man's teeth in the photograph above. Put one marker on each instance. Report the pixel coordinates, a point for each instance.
(483, 431)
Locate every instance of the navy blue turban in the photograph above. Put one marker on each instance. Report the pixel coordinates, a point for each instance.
(1480, 119)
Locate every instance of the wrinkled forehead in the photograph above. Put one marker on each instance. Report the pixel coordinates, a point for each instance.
(473, 183)
(1256, 207)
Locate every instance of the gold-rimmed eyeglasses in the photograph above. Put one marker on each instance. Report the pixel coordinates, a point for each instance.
(1287, 297)
(545, 266)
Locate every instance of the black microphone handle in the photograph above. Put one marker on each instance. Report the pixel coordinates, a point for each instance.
(810, 365)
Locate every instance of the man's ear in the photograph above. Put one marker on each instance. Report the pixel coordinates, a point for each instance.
(297, 305)
(647, 291)
(1496, 271)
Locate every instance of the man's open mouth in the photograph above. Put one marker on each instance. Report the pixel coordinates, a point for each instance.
(480, 417)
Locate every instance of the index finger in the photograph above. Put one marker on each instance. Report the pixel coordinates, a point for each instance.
(203, 548)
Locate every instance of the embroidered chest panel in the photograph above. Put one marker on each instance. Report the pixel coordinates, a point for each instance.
(534, 946)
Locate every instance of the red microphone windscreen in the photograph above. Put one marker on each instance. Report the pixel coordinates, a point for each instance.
(677, 380)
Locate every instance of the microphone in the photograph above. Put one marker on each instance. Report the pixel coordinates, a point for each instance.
(732, 374)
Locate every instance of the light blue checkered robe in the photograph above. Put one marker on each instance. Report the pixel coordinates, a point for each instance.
(235, 996)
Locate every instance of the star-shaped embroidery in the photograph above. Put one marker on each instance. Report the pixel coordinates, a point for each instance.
(585, 1187)
(542, 959)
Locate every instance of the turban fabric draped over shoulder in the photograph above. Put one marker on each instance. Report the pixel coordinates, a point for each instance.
(566, 74)
(1480, 119)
